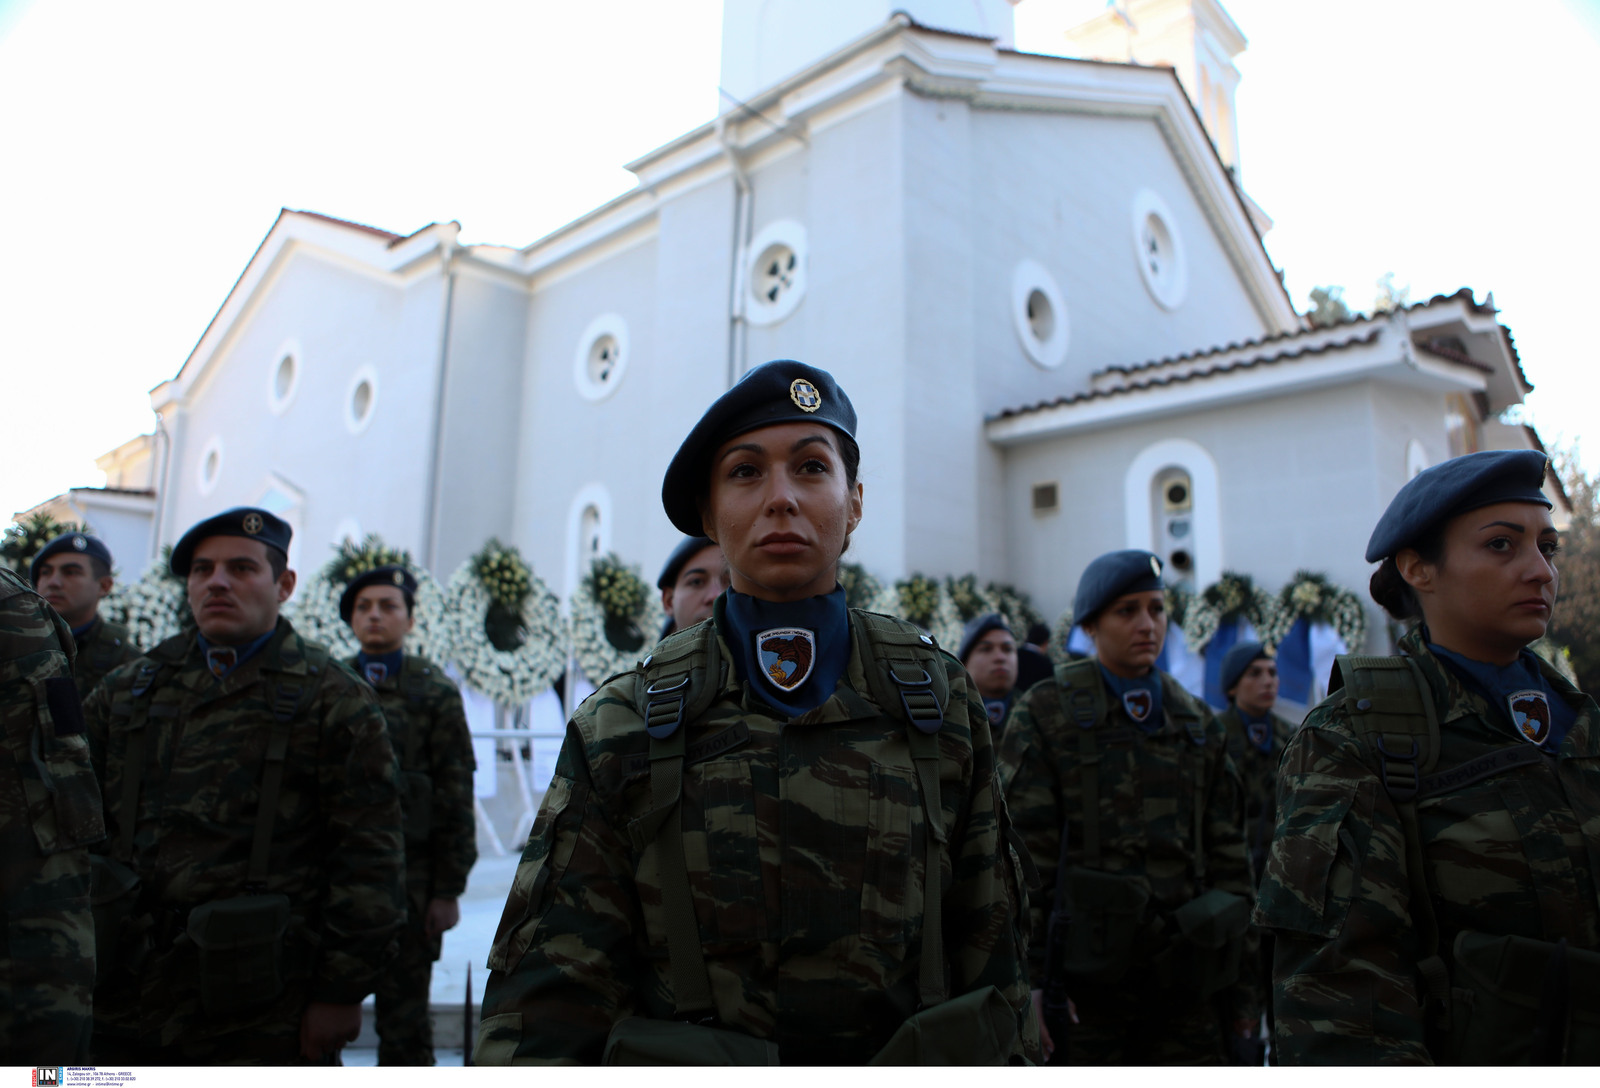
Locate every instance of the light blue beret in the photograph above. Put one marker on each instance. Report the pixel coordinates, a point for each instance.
(1437, 494)
(1112, 575)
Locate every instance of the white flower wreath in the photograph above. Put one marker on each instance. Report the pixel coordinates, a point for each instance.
(1205, 616)
(945, 625)
(315, 615)
(596, 656)
(509, 677)
(152, 609)
(1312, 595)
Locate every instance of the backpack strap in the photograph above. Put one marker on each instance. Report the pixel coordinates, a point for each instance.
(1391, 708)
(676, 684)
(413, 686)
(288, 701)
(1084, 701)
(1195, 727)
(133, 756)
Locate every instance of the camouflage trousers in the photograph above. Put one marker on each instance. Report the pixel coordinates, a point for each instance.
(46, 955)
(1128, 1025)
(405, 1030)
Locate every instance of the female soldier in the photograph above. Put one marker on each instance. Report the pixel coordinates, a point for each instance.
(1120, 784)
(735, 861)
(1432, 877)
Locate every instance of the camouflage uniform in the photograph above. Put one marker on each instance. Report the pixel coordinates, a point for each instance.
(1258, 771)
(1150, 815)
(805, 848)
(428, 732)
(335, 845)
(101, 648)
(49, 814)
(1513, 852)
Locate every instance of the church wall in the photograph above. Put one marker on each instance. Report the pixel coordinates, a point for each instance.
(846, 188)
(1060, 190)
(478, 450)
(1299, 485)
(337, 323)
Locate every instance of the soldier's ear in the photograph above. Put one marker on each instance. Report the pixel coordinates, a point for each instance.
(286, 584)
(1417, 573)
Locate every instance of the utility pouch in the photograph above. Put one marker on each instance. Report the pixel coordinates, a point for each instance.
(1518, 1001)
(642, 1041)
(241, 951)
(1208, 945)
(977, 1028)
(113, 892)
(417, 812)
(1108, 913)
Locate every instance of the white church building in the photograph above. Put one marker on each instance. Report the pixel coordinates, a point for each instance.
(1038, 278)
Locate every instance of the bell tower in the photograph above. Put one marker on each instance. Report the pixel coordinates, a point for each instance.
(766, 41)
(1195, 37)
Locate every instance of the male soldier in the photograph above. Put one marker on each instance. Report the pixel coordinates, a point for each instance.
(989, 653)
(1033, 658)
(428, 731)
(694, 577)
(73, 574)
(253, 826)
(1256, 739)
(49, 814)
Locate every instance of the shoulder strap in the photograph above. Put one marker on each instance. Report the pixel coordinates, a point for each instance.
(1179, 706)
(1084, 702)
(133, 755)
(288, 702)
(1391, 708)
(676, 684)
(414, 673)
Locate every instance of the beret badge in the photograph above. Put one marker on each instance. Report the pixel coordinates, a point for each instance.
(79, 543)
(805, 395)
(1155, 566)
(253, 523)
(399, 578)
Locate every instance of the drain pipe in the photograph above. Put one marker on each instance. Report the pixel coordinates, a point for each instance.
(430, 533)
(743, 216)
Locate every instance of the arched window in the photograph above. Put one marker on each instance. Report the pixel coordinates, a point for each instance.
(588, 532)
(1173, 508)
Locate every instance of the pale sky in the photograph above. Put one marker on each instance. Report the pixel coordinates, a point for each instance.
(148, 147)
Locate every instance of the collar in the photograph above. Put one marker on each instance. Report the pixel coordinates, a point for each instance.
(1517, 694)
(390, 662)
(81, 633)
(790, 653)
(244, 653)
(1258, 730)
(1140, 698)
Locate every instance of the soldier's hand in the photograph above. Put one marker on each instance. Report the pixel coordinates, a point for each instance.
(1047, 1045)
(443, 914)
(1246, 1026)
(325, 1028)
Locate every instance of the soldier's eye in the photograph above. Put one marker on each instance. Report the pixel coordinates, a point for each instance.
(814, 466)
(1549, 548)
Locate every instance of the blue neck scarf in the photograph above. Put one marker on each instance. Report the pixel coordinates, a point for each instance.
(79, 632)
(1513, 691)
(1258, 731)
(792, 653)
(389, 664)
(1127, 693)
(997, 711)
(241, 653)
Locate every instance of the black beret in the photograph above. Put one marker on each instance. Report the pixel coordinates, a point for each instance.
(687, 549)
(1239, 658)
(1437, 494)
(250, 522)
(976, 628)
(1112, 575)
(782, 391)
(395, 576)
(77, 543)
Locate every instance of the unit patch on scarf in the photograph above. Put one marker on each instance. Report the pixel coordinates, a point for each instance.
(1138, 704)
(1530, 712)
(786, 655)
(1260, 734)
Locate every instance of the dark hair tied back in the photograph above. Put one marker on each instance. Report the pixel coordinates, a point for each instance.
(1392, 592)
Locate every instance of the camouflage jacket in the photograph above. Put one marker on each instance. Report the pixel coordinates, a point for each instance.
(336, 849)
(1259, 772)
(1515, 852)
(102, 648)
(49, 815)
(805, 845)
(1148, 803)
(428, 732)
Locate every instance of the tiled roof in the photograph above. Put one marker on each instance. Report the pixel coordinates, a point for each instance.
(1273, 359)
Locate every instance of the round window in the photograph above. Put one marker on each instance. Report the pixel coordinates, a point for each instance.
(362, 401)
(1159, 250)
(210, 465)
(777, 272)
(1039, 314)
(283, 377)
(602, 357)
